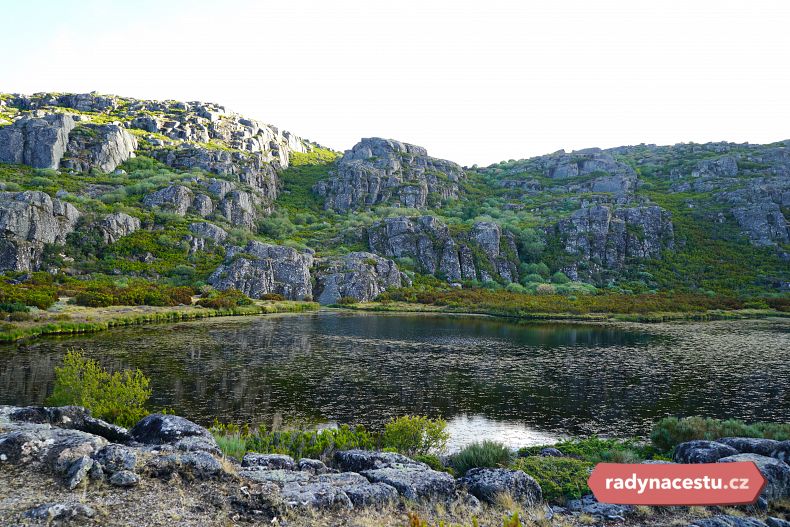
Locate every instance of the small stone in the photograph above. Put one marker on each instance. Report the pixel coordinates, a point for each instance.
(124, 478)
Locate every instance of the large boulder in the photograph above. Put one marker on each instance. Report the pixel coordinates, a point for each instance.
(750, 445)
(484, 253)
(776, 472)
(117, 225)
(414, 482)
(489, 484)
(261, 268)
(28, 221)
(377, 171)
(701, 451)
(36, 141)
(100, 146)
(357, 460)
(163, 429)
(175, 198)
(726, 520)
(359, 275)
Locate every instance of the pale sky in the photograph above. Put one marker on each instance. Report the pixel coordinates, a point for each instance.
(474, 82)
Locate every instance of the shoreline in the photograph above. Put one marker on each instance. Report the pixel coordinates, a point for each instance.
(121, 316)
(94, 320)
(651, 317)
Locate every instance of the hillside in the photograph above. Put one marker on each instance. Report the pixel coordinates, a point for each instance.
(122, 200)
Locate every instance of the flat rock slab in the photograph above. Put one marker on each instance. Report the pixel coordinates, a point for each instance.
(414, 482)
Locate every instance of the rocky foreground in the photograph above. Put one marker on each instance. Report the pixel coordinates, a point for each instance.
(61, 466)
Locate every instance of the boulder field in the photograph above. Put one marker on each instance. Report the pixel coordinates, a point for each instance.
(77, 452)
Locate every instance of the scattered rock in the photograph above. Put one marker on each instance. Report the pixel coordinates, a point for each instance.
(551, 452)
(605, 511)
(124, 478)
(59, 512)
(78, 472)
(701, 451)
(489, 484)
(776, 472)
(728, 521)
(116, 458)
(270, 461)
(313, 466)
(359, 460)
(413, 481)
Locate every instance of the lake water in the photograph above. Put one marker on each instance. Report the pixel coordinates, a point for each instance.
(521, 383)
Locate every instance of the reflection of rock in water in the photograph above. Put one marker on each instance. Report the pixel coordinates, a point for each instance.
(364, 369)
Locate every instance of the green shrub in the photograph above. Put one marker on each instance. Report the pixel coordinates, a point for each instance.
(273, 296)
(415, 435)
(14, 307)
(347, 301)
(485, 454)
(671, 431)
(434, 462)
(560, 478)
(118, 397)
(315, 444)
(225, 299)
(597, 450)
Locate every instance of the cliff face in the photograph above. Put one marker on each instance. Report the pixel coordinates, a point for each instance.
(28, 221)
(604, 239)
(382, 171)
(485, 253)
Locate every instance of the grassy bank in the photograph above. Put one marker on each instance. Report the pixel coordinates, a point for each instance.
(65, 319)
(715, 314)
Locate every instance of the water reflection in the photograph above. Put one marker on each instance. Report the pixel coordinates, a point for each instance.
(359, 368)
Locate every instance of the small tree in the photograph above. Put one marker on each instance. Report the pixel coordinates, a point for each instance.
(415, 435)
(118, 397)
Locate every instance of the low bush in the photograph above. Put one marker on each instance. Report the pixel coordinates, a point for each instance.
(315, 444)
(136, 293)
(597, 450)
(671, 431)
(273, 296)
(415, 435)
(485, 454)
(224, 299)
(560, 478)
(118, 397)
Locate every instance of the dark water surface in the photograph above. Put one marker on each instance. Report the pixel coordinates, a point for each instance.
(520, 383)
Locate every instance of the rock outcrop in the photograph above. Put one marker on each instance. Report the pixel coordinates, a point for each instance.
(98, 146)
(603, 238)
(359, 275)
(117, 225)
(262, 268)
(383, 171)
(28, 221)
(484, 253)
(36, 141)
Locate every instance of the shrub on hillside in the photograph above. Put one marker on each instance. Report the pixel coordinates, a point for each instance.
(415, 435)
(118, 397)
(484, 454)
(227, 299)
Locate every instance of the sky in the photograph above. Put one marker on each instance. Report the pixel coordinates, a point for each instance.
(474, 82)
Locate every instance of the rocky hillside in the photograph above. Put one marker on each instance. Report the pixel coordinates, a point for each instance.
(101, 188)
